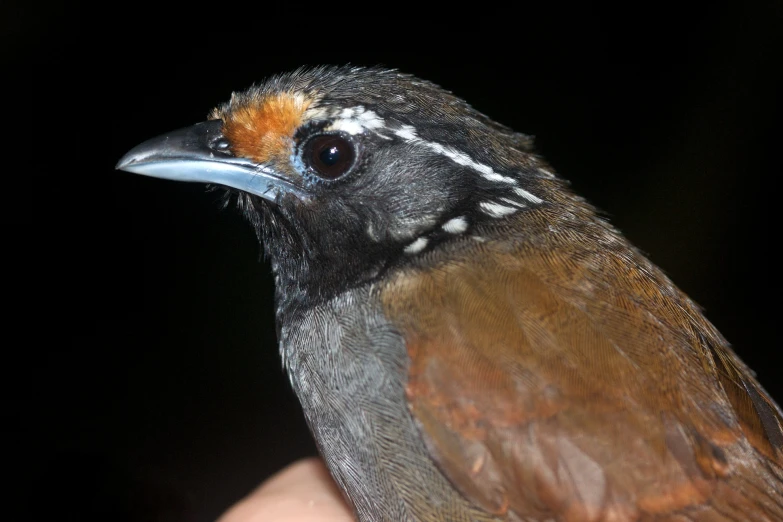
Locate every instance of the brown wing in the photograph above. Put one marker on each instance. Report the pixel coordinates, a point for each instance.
(584, 388)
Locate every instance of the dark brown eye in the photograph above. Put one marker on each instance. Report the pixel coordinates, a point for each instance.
(329, 156)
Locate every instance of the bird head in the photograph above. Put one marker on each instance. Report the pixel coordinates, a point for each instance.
(347, 171)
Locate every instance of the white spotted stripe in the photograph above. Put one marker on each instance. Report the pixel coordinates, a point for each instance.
(408, 133)
(514, 202)
(417, 246)
(527, 195)
(496, 209)
(456, 225)
(357, 120)
(349, 126)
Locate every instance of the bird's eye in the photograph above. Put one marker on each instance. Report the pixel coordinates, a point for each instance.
(330, 156)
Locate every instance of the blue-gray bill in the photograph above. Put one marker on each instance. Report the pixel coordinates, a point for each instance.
(200, 153)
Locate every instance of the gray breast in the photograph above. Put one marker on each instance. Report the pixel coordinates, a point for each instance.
(348, 366)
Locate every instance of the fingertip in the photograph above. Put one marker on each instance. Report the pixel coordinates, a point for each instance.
(302, 492)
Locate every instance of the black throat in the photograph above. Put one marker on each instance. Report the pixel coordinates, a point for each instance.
(312, 266)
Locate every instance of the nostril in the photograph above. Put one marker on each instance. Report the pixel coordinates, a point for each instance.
(221, 145)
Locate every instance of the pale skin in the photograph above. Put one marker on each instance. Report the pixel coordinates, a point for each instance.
(302, 492)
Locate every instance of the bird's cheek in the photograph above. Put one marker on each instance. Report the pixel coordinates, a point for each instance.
(406, 215)
(411, 225)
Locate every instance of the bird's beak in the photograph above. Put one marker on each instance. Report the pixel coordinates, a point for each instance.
(201, 153)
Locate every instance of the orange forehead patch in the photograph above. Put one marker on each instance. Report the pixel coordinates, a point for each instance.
(261, 129)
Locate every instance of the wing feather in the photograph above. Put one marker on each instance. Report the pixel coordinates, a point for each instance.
(586, 388)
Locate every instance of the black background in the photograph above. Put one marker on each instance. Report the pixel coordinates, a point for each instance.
(158, 375)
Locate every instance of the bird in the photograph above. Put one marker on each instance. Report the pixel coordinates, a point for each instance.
(471, 340)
